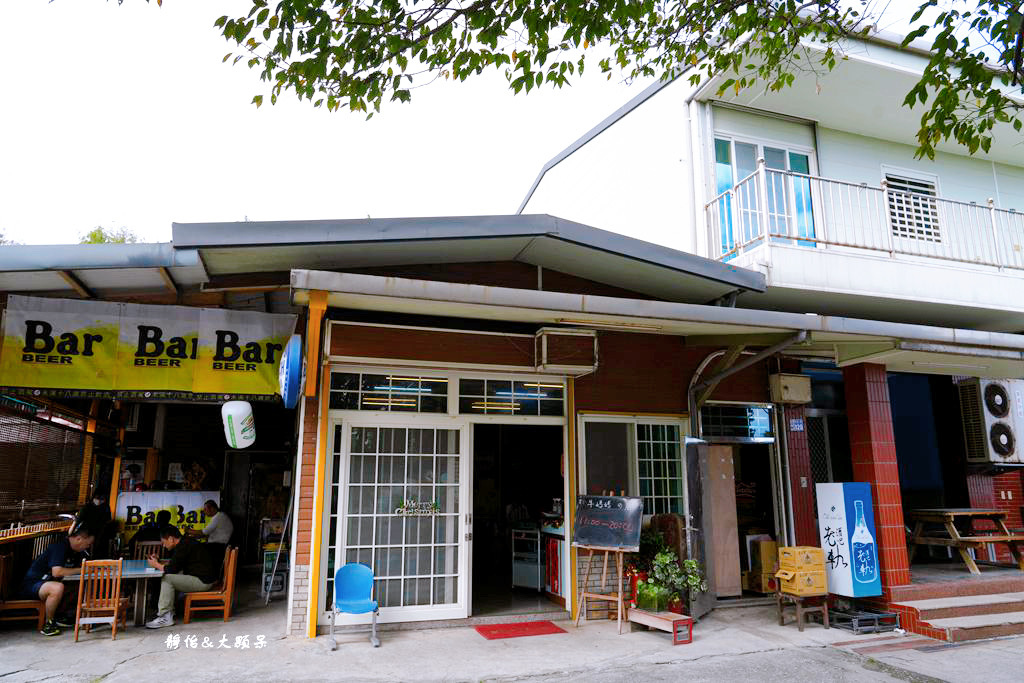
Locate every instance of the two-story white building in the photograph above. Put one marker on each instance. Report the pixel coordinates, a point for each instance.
(817, 186)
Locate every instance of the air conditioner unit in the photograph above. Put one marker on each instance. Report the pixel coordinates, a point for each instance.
(993, 418)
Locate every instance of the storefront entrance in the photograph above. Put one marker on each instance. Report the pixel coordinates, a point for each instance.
(404, 496)
(518, 531)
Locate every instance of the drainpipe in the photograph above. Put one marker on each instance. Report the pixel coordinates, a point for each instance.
(691, 394)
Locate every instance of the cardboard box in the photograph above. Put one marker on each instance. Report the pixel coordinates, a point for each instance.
(762, 583)
(802, 582)
(763, 556)
(801, 558)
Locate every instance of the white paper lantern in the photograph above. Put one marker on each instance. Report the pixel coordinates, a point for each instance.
(239, 425)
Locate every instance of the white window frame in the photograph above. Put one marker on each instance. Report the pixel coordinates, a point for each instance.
(634, 480)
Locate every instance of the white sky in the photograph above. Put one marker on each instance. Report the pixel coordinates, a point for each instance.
(125, 116)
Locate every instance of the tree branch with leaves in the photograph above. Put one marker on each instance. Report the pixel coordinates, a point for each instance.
(359, 54)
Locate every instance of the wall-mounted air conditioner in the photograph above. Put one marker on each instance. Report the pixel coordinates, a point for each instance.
(993, 418)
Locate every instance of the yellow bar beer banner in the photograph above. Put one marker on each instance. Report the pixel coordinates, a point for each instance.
(102, 346)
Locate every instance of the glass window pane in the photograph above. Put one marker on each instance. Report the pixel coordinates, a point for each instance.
(723, 165)
(775, 158)
(799, 163)
(446, 559)
(746, 160)
(378, 383)
(471, 387)
(364, 440)
(448, 498)
(446, 590)
(447, 441)
(551, 407)
(344, 381)
(607, 456)
(499, 388)
(447, 470)
(344, 400)
(471, 405)
(433, 404)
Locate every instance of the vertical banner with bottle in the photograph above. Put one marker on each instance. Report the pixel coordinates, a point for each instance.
(846, 525)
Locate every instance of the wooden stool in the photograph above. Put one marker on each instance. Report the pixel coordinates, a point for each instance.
(665, 621)
(802, 608)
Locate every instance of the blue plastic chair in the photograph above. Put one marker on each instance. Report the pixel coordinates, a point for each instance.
(353, 594)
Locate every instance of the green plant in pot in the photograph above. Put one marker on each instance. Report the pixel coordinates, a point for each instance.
(669, 583)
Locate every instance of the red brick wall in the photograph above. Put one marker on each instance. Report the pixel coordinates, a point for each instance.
(650, 373)
(873, 448)
(307, 473)
(801, 481)
(431, 345)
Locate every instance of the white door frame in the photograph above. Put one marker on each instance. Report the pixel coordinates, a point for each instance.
(457, 610)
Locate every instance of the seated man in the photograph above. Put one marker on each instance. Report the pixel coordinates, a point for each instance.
(151, 531)
(44, 579)
(193, 567)
(218, 529)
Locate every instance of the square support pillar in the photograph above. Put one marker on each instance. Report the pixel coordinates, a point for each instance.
(801, 480)
(873, 449)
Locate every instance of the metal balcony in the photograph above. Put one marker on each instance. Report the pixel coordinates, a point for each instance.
(781, 207)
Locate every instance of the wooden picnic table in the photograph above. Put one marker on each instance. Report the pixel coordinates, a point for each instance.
(948, 517)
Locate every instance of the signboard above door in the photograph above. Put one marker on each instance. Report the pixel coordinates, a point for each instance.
(135, 349)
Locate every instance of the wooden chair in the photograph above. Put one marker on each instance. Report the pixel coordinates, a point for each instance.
(143, 549)
(219, 598)
(33, 609)
(99, 596)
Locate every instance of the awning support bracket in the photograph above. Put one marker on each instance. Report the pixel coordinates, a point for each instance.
(691, 398)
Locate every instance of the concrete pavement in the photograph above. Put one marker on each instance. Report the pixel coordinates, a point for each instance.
(730, 644)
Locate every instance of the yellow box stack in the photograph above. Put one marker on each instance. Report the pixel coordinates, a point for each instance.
(802, 571)
(762, 572)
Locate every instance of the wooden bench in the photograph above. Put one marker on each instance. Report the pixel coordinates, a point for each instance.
(947, 518)
(664, 621)
(802, 608)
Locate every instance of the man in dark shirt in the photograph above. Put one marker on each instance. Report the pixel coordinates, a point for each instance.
(192, 568)
(95, 516)
(151, 532)
(44, 579)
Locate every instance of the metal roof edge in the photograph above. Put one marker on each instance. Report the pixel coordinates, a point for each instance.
(588, 305)
(354, 230)
(658, 255)
(33, 257)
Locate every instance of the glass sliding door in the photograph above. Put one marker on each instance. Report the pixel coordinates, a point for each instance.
(402, 514)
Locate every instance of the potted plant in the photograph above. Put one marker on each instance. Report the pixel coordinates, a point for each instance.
(669, 583)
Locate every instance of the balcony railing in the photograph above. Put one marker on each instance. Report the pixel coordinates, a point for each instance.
(782, 207)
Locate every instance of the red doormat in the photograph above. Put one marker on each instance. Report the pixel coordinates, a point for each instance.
(518, 630)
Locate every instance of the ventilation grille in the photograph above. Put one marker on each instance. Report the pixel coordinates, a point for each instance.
(975, 434)
(912, 208)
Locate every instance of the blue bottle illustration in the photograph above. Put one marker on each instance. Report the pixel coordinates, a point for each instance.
(865, 563)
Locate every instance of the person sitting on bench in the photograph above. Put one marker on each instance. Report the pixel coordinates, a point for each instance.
(44, 579)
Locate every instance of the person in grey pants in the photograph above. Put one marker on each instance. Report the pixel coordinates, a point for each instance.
(193, 567)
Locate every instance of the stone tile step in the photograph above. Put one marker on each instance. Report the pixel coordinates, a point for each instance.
(981, 626)
(967, 605)
(1000, 583)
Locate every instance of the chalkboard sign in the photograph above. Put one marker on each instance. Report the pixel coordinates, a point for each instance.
(608, 522)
